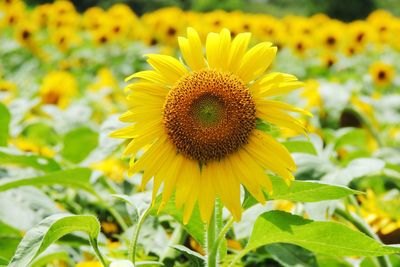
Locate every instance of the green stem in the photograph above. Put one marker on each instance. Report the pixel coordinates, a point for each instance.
(133, 245)
(93, 243)
(211, 233)
(221, 235)
(363, 227)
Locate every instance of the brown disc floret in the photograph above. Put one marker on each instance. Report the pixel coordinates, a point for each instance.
(209, 114)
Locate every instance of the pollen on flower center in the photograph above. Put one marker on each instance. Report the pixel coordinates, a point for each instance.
(209, 114)
(207, 110)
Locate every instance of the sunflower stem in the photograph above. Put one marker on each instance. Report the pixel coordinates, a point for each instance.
(135, 237)
(211, 238)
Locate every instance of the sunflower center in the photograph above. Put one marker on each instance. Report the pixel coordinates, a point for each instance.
(209, 114)
(207, 110)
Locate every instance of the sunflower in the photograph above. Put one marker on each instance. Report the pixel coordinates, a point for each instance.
(382, 73)
(199, 123)
(58, 88)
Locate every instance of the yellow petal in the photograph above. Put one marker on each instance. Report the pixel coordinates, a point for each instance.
(256, 61)
(274, 164)
(191, 49)
(169, 67)
(137, 143)
(206, 193)
(185, 181)
(192, 196)
(245, 178)
(217, 47)
(238, 49)
(150, 88)
(151, 76)
(280, 105)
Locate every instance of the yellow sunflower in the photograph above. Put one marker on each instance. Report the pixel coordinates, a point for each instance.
(199, 122)
(382, 74)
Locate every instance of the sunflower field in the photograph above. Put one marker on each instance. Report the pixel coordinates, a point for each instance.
(189, 138)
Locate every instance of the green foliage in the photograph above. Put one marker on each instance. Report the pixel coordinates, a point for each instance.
(49, 231)
(298, 146)
(9, 240)
(76, 178)
(196, 260)
(5, 118)
(78, 143)
(33, 161)
(36, 131)
(329, 238)
(308, 191)
(303, 191)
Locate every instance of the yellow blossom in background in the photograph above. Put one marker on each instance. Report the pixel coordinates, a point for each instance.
(109, 227)
(28, 146)
(89, 264)
(104, 79)
(113, 169)
(7, 91)
(58, 88)
(381, 73)
(381, 213)
(311, 94)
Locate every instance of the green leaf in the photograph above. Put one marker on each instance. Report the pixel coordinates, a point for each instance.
(302, 191)
(329, 238)
(33, 161)
(298, 146)
(331, 261)
(3, 262)
(77, 178)
(78, 144)
(196, 260)
(49, 256)
(353, 137)
(9, 239)
(308, 191)
(49, 231)
(5, 118)
(289, 255)
(37, 131)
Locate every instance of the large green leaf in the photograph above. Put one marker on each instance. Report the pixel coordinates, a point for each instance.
(33, 161)
(78, 178)
(49, 231)
(5, 118)
(78, 143)
(289, 255)
(329, 238)
(302, 191)
(300, 146)
(51, 255)
(308, 191)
